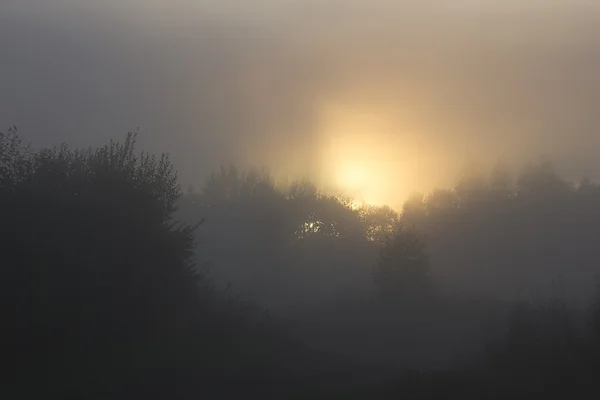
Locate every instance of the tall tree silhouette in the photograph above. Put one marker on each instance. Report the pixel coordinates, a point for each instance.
(402, 269)
(98, 281)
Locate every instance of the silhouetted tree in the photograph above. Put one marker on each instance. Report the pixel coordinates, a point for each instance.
(472, 187)
(379, 222)
(402, 269)
(287, 240)
(413, 210)
(541, 181)
(543, 351)
(98, 280)
(441, 202)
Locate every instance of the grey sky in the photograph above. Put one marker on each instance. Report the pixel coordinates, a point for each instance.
(239, 81)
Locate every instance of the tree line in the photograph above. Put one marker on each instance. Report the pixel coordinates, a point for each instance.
(115, 282)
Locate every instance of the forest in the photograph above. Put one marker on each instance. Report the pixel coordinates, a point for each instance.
(117, 283)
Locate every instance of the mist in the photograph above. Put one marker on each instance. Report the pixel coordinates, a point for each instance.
(340, 198)
(218, 84)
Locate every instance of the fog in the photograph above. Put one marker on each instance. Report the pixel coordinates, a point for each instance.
(357, 190)
(228, 82)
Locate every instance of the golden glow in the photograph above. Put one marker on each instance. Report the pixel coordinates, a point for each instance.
(362, 156)
(352, 176)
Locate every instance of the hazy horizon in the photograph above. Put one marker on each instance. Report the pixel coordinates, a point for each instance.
(363, 200)
(377, 100)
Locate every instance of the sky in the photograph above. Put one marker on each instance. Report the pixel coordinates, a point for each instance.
(375, 98)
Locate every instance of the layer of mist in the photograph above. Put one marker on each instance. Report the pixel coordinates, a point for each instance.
(216, 83)
(337, 199)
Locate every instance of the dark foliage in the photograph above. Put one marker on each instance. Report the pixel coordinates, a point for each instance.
(98, 280)
(292, 245)
(402, 270)
(506, 234)
(102, 295)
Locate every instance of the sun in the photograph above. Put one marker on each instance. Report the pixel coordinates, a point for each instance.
(358, 172)
(356, 181)
(352, 177)
(362, 157)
